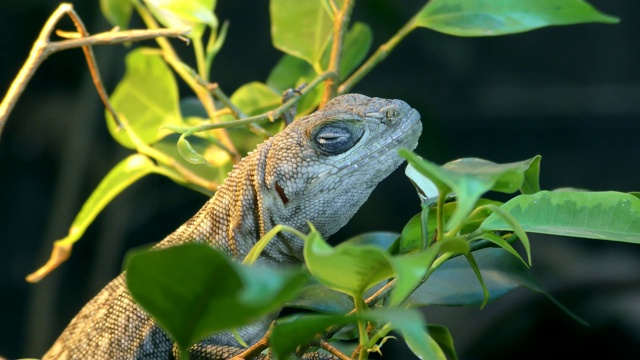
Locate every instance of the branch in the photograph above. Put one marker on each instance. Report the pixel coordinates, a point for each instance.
(43, 47)
(340, 23)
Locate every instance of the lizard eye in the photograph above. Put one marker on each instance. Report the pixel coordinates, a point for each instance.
(334, 139)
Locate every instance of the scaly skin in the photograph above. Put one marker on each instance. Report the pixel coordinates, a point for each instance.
(319, 169)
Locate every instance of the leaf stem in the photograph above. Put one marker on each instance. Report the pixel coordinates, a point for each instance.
(360, 308)
(271, 115)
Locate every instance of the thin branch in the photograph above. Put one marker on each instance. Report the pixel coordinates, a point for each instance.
(332, 350)
(256, 348)
(43, 47)
(340, 24)
(271, 115)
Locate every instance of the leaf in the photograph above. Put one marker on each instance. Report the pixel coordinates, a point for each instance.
(471, 177)
(207, 292)
(412, 268)
(125, 173)
(348, 268)
(454, 282)
(218, 158)
(195, 14)
(117, 12)
(442, 337)
(292, 331)
(147, 97)
(500, 17)
(381, 239)
(410, 324)
(255, 98)
(595, 215)
(300, 28)
(188, 153)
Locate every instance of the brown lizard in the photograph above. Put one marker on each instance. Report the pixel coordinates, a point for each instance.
(320, 169)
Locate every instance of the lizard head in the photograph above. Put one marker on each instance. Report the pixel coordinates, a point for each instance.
(322, 167)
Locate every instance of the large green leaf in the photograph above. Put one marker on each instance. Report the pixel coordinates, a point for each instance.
(147, 98)
(193, 290)
(117, 12)
(499, 17)
(348, 268)
(596, 215)
(301, 28)
(471, 177)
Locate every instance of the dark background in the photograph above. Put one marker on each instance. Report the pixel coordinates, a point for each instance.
(570, 94)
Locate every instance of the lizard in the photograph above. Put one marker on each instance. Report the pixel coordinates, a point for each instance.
(319, 169)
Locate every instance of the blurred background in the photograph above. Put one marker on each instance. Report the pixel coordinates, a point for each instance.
(571, 94)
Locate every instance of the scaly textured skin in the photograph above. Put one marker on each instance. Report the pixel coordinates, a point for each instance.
(319, 169)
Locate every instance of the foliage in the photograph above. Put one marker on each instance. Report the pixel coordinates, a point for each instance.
(458, 251)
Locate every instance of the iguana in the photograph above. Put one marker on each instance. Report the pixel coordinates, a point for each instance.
(319, 169)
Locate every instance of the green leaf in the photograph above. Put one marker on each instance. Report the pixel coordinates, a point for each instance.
(381, 239)
(442, 337)
(471, 177)
(291, 72)
(348, 268)
(301, 28)
(195, 14)
(454, 282)
(499, 17)
(184, 291)
(147, 97)
(412, 268)
(596, 215)
(188, 153)
(255, 98)
(410, 324)
(218, 159)
(295, 330)
(117, 12)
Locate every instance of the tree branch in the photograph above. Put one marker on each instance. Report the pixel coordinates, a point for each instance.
(43, 47)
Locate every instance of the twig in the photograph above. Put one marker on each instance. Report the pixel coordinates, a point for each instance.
(271, 115)
(340, 23)
(43, 48)
(333, 350)
(256, 348)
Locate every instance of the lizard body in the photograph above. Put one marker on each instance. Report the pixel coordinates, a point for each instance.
(319, 169)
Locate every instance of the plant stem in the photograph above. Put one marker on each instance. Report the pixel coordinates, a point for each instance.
(381, 53)
(360, 307)
(201, 60)
(440, 216)
(271, 115)
(178, 66)
(340, 25)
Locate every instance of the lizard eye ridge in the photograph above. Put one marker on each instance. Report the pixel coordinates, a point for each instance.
(334, 139)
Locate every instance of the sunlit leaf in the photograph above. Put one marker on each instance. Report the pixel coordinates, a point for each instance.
(188, 153)
(147, 97)
(195, 14)
(499, 17)
(300, 28)
(119, 178)
(596, 215)
(255, 98)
